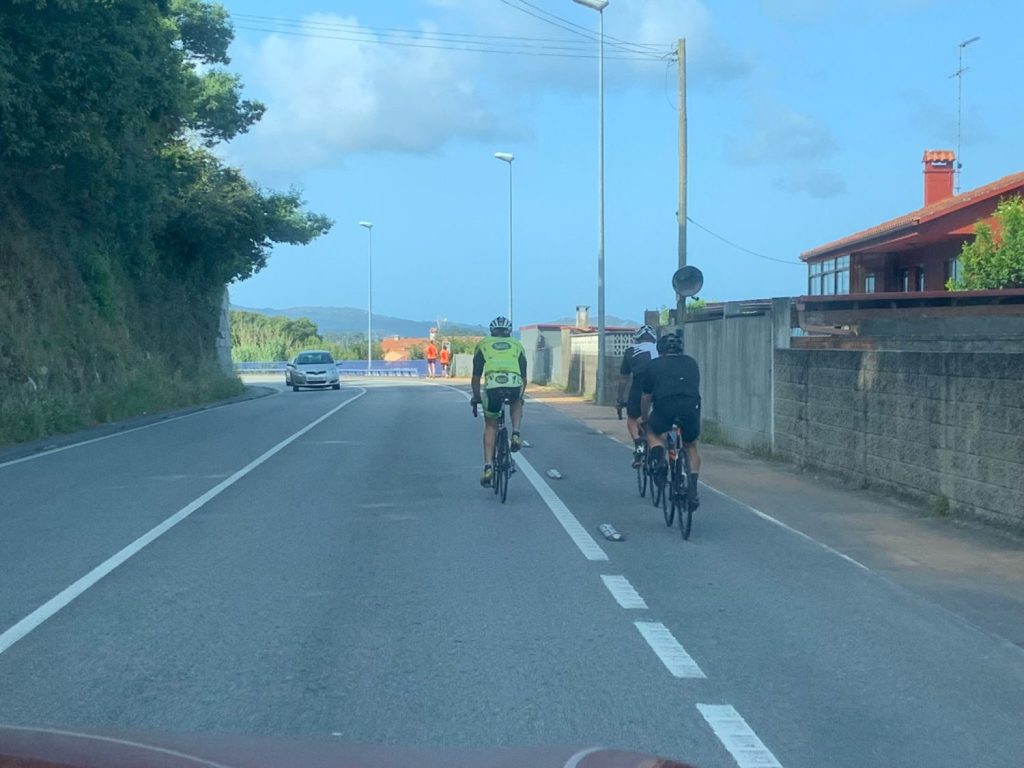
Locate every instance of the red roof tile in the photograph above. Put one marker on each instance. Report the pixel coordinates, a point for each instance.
(938, 156)
(1008, 184)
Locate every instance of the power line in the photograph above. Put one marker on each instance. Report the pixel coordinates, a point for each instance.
(741, 248)
(579, 29)
(468, 47)
(506, 44)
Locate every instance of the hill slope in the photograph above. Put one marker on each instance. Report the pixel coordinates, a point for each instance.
(345, 320)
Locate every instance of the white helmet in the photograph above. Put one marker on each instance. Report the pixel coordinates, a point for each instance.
(503, 324)
(645, 330)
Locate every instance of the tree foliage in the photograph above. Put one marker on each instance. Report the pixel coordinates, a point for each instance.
(119, 227)
(264, 338)
(996, 257)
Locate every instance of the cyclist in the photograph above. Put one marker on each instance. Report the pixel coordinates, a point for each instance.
(634, 362)
(672, 385)
(501, 361)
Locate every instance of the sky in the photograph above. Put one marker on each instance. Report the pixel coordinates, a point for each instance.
(806, 122)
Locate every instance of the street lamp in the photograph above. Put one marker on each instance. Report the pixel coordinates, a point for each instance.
(508, 157)
(369, 291)
(599, 6)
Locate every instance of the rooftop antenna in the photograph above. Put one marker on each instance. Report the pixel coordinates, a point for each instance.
(959, 75)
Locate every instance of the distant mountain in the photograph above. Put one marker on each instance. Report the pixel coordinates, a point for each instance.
(348, 320)
(610, 321)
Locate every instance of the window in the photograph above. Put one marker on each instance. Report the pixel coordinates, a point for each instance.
(953, 269)
(829, 277)
(903, 279)
(869, 283)
(919, 277)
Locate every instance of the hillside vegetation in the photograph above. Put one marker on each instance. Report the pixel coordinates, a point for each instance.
(259, 338)
(119, 228)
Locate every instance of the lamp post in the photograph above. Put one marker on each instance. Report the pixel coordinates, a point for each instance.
(599, 6)
(508, 157)
(369, 292)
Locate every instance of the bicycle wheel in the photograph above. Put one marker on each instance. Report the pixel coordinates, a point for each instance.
(506, 473)
(641, 479)
(501, 441)
(668, 509)
(685, 513)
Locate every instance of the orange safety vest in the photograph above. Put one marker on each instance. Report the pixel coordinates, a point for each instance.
(446, 356)
(431, 352)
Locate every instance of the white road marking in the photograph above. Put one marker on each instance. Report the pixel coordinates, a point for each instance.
(672, 654)
(590, 548)
(774, 521)
(736, 736)
(61, 449)
(63, 598)
(623, 592)
(789, 528)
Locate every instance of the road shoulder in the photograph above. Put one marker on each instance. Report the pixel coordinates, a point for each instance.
(970, 570)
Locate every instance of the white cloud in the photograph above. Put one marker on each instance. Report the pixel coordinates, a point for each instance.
(796, 145)
(335, 90)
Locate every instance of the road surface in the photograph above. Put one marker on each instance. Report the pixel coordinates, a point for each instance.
(324, 565)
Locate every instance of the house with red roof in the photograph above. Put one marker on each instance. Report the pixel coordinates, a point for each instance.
(918, 251)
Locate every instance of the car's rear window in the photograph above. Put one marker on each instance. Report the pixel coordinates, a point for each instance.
(314, 357)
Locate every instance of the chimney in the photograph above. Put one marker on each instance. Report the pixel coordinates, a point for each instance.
(939, 168)
(582, 316)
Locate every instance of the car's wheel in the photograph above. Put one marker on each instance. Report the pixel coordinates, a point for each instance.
(336, 386)
(295, 388)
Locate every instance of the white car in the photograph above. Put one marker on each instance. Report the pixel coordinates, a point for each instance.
(313, 369)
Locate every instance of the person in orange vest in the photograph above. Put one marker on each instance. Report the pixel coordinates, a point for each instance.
(445, 356)
(431, 355)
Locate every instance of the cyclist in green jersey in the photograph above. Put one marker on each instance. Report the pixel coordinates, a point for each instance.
(500, 361)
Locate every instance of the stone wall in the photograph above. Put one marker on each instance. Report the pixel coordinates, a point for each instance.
(941, 427)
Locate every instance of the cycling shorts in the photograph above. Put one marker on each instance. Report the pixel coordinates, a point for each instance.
(636, 392)
(684, 411)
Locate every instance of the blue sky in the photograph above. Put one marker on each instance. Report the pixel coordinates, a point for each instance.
(807, 120)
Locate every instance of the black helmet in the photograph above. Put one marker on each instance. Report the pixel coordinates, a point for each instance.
(501, 326)
(670, 344)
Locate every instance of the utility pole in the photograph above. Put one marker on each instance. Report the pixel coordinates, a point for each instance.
(959, 75)
(681, 215)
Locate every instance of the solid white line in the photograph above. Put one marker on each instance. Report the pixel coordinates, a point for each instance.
(590, 548)
(63, 598)
(789, 528)
(736, 736)
(101, 438)
(672, 654)
(623, 592)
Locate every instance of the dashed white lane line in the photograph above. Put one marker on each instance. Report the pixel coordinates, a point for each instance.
(672, 654)
(623, 592)
(590, 548)
(737, 737)
(63, 598)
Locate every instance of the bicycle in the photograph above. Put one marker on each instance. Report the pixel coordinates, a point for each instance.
(502, 463)
(642, 470)
(675, 493)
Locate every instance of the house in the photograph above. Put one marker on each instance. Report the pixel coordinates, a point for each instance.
(918, 251)
(395, 348)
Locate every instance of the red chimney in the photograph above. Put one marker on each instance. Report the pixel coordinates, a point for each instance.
(939, 167)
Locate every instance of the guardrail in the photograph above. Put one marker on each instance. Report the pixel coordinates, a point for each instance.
(402, 368)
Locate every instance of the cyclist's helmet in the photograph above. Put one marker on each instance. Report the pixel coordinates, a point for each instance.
(644, 332)
(670, 344)
(501, 326)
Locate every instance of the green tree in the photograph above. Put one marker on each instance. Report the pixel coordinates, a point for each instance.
(996, 257)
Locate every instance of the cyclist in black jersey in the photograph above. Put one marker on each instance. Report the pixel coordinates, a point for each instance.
(634, 363)
(672, 386)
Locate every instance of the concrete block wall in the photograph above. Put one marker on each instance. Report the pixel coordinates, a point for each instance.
(735, 358)
(942, 427)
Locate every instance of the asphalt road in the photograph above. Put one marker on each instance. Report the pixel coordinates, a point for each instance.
(324, 565)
